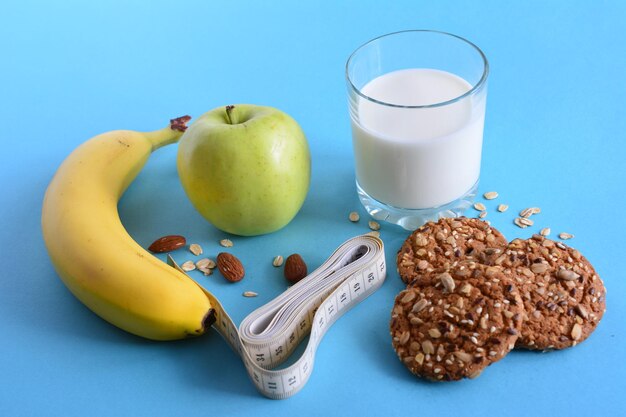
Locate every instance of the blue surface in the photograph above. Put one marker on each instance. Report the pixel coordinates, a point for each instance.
(554, 138)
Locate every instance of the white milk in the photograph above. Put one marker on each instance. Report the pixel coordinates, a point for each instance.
(418, 158)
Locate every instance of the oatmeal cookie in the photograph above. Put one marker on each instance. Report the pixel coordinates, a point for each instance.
(439, 244)
(563, 295)
(452, 324)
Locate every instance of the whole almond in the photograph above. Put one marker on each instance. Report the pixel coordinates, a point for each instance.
(230, 267)
(167, 244)
(295, 268)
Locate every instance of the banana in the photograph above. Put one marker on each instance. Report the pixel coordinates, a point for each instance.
(95, 256)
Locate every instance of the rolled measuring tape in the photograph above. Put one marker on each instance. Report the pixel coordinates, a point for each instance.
(268, 335)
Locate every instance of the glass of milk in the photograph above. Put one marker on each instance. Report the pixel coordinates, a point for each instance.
(417, 107)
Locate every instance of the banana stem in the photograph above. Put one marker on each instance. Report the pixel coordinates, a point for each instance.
(170, 134)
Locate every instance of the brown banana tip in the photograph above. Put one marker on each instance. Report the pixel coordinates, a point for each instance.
(209, 319)
(180, 123)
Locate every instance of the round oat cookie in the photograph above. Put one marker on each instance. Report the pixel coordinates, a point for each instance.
(563, 295)
(452, 324)
(439, 244)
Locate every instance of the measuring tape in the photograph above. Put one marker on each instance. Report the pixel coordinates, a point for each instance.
(267, 336)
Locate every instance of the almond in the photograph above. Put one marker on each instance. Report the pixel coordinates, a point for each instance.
(167, 244)
(230, 267)
(295, 268)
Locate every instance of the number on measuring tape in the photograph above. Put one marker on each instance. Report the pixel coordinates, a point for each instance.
(330, 309)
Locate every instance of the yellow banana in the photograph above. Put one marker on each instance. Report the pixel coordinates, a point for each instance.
(95, 256)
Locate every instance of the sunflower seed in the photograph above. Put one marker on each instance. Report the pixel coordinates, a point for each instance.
(475, 374)
(447, 281)
(577, 331)
(490, 195)
(482, 214)
(434, 333)
(408, 297)
(463, 356)
(354, 217)
(427, 347)
(480, 206)
(565, 236)
(277, 261)
(567, 275)
(249, 294)
(545, 231)
(404, 337)
(539, 268)
(581, 311)
(465, 289)
(195, 249)
(419, 358)
(502, 208)
(419, 306)
(227, 243)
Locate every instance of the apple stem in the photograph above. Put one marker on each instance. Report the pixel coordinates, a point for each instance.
(231, 115)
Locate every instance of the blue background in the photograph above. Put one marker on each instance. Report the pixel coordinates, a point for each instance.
(554, 138)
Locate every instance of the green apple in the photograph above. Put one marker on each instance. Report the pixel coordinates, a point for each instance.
(245, 168)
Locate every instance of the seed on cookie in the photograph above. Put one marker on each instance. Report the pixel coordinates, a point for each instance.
(408, 297)
(440, 244)
(427, 347)
(447, 281)
(539, 268)
(419, 306)
(581, 311)
(555, 282)
(567, 275)
(442, 320)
